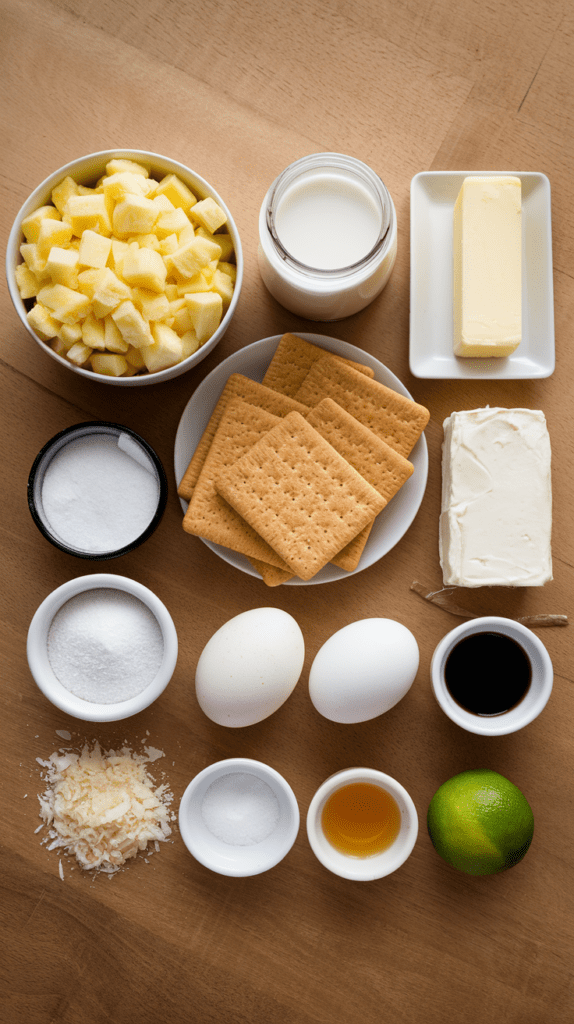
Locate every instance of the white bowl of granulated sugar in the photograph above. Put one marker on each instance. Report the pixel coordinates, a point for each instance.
(102, 647)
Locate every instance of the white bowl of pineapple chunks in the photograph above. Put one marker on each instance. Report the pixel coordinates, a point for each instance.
(125, 266)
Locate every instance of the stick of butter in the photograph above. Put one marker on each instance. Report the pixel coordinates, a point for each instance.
(496, 508)
(487, 246)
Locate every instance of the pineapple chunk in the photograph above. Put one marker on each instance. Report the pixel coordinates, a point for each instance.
(93, 333)
(225, 243)
(197, 283)
(189, 343)
(32, 259)
(109, 291)
(109, 364)
(162, 202)
(168, 245)
(145, 241)
(62, 192)
(145, 268)
(182, 320)
(42, 322)
(205, 311)
(152, 305)
(31, 224)
(70, 334)
(94, 249)
(134, 358)
(165, 350)
(208, 214)
(223, 285)
(67, 305)
(79, 354)
(176, 191)
(135, 215)
(62, 266)
(172, 222)
(132, 326)
(117, 187)
(52, 232)
(88, 212)
(192, 257)
(27, 281)
(113, 339)
(119, 250)
(120, 165)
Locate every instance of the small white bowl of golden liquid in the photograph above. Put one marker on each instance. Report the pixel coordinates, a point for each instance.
(362, 824)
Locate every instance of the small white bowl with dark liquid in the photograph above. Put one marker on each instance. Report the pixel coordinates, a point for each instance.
(492, 676)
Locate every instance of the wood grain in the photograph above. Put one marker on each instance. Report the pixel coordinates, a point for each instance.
(238, 92)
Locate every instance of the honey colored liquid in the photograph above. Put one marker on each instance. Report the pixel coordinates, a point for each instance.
(361, 819)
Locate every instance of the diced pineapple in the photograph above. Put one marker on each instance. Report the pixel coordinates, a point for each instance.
(134, 358)
(163, 203)
(88, 281)
(168, 245)
(176, 191)
(79, 354)
(52, 232)
(165, 350)
(116, 187)
(225, 243)
(228, 268)
(42, 322)
(132, 326)
(119, 165)
(62, 192)
(223, 285)
(109, 291)
(57, 345)
(150, 241)
(171, 292)
(32, 259)
(188, 260)
(93, 334)
(172, 222)
(88, 212)
(66, 305)
(94, 249)
(189, 343)
(209, 214)
(109, 364)
(62, 266)
(205, 311)
(113, 339)
(27, 281)
(197, 283)
(135, 215)
(31, 223)
(70, 334)
(182, 320)
(151, 304)
(144, 268)
(118, 252)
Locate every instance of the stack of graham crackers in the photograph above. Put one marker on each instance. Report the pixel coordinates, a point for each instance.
(292, 472)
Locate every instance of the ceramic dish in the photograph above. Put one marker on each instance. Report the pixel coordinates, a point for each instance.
(245, 858)
(86, 170)
(43, 673)
(433, 195)
(252, 361)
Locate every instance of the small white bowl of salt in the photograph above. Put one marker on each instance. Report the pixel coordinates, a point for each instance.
(102, 647)
(97, 490)
(239, 817)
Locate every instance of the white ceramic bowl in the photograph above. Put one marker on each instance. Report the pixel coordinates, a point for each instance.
(220, 856)
(86, 170)
(52, 688)
(527, 709)
(363, 869)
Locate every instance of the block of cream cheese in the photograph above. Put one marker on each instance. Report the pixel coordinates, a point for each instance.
(496, 509)
(487, 248)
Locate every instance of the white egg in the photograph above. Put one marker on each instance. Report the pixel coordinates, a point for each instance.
(249, 667)
(363, 670)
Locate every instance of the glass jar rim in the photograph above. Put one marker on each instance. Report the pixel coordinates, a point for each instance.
(343, 162)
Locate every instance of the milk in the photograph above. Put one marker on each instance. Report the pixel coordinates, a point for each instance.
(328, 220)
(327, 237)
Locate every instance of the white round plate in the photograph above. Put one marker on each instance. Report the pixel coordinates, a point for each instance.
(252, 361)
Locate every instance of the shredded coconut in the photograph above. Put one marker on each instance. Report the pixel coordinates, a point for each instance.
(103, 807)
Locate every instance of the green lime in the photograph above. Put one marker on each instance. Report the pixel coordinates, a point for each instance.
(480, 822)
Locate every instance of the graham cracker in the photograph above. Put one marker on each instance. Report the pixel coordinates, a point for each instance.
(292, 361)
(397, 420)
(208, 515)
(383, 467)
(270, 574)
(251, 391)
(300, 495)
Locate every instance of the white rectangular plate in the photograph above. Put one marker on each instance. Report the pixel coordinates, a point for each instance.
(433, 195)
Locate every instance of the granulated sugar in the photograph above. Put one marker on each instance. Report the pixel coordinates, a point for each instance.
(240, 809)
(96, 496)
(105, 646)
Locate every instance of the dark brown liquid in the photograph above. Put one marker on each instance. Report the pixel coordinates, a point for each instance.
(487, 673)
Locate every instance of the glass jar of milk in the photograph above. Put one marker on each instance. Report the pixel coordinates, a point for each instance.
(327, 236)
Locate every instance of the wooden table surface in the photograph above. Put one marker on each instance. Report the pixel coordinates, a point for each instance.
(238, 92)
